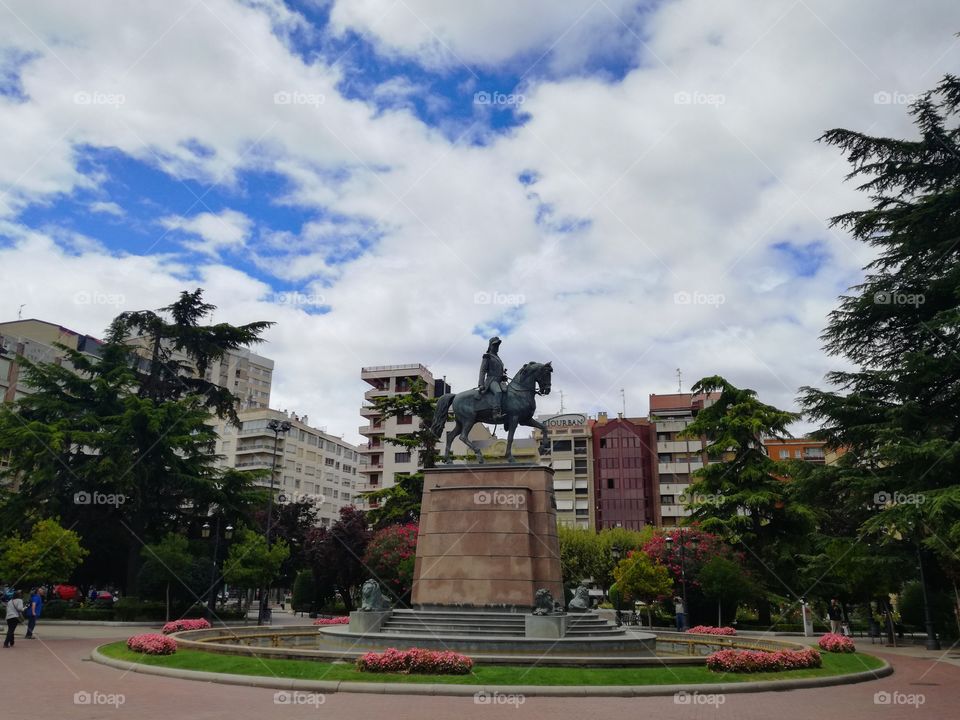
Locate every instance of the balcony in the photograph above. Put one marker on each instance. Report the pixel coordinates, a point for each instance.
(370, 430)
(679, 468)
(364, 469)
(259, 447)
(375, 393)
(369, 411)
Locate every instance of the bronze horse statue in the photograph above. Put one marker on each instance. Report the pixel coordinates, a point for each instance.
(518, 405)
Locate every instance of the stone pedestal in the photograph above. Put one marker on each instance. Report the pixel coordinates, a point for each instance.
(364, 622)
(488, 538)
(546, 627)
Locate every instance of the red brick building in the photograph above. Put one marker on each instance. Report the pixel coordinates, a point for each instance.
(624, 473)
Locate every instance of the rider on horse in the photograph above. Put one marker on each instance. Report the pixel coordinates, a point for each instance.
(493, 376)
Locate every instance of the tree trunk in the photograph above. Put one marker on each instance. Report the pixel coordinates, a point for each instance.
(763, 612)
(133, 569)
(719, 614)
(168, 601)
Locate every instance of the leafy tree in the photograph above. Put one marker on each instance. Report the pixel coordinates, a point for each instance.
(168, 561)
(293, 522)
(390, 558)
(725, 581)
(742, 495)
(398, 504)
(49, 555)
(586, 554)
(896, 409)
(304, 596)
(640, 577)
(181, 350)
(336, 554)
(108, 428)
(251, 564)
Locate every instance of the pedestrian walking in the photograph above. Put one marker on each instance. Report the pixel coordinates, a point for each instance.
(14, 616)
(34, 610)
(835, 615)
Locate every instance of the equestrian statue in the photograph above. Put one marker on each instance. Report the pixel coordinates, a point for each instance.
(496, 400)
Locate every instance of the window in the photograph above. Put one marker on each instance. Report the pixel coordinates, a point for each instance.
(580, 466)
(404, 419)
(603, 442)
(667, 500)
(611, 484)
(784, 454)
(401, 457)
(328, 462)
(562, 445)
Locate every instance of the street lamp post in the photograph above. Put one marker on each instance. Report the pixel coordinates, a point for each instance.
(277, 426)
(616, 552)
(694, 543)
(214, 580)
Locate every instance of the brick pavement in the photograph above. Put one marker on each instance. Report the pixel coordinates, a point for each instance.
(50, 671)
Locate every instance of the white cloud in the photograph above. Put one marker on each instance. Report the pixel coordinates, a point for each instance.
(687, 171)
(216, 232)
(108, 208)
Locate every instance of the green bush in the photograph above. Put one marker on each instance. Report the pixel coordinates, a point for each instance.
(82, 613)
(941, 610)
(304, 592)
(55, 609)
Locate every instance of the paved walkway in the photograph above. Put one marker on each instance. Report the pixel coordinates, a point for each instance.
(43, 677)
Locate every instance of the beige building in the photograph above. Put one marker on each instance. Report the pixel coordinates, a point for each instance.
(677, 458)
(311, 465)
(35, 340)
(247, 375)
(571, 457)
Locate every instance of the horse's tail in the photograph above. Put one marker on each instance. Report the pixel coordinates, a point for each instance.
(440, 414)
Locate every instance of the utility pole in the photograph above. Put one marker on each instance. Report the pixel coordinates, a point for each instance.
(679, 381)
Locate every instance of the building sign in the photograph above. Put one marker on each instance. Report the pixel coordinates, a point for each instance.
(566, 420)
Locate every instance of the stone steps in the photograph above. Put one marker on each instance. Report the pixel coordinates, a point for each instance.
(488, 624)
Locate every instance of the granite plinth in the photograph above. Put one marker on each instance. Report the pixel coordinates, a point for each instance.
(488, 537)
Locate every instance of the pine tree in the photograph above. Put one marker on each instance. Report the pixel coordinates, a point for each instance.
(742, 494)
(897, 411)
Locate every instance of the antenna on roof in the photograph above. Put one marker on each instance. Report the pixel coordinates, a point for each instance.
(561, 402)
(623, 402)
(20, 311)
(679, 381)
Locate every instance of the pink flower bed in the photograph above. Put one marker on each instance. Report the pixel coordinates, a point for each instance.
(832, 642)
(180, 625)
(748, 661)
(152, 644)
(342, 620)
(416, 660)
(710, 630)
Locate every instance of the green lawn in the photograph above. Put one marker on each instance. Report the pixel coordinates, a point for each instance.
(833, 664)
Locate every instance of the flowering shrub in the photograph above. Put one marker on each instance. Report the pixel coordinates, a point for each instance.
(179, 625)
(832, 642)
(342, 620)
(747, 661)
(152, 644)
(416, 660)
(390, 556)
(710, 630)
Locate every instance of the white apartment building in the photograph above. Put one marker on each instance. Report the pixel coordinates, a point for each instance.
(311, 464)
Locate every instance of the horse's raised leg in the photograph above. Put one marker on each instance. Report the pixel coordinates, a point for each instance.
(544, 433)
(465, 437)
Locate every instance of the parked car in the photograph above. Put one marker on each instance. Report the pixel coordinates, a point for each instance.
(66, 592)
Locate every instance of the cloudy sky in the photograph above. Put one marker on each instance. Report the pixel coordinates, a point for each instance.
(622, 188)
